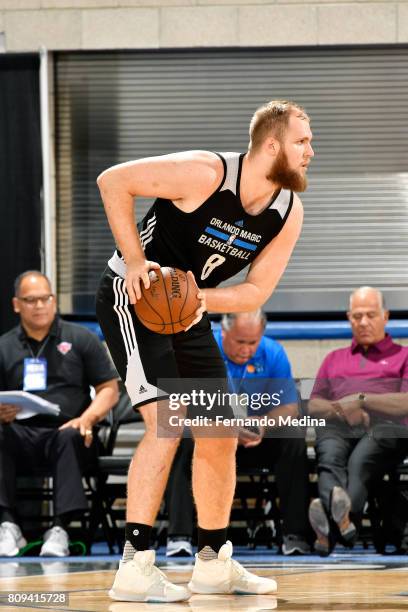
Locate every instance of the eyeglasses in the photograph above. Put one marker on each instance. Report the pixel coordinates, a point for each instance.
(32, 300)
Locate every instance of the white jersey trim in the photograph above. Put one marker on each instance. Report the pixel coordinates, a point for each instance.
(231, 173)
(282, 202)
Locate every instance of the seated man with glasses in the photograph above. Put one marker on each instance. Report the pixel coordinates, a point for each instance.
(362, 392)
(58, 361)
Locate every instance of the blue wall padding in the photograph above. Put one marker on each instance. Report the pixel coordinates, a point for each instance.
(302, 330)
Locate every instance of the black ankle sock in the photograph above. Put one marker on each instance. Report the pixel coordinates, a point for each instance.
(7, 514)
(63, 520)
(58, 522)
(138, 535)
(214, 538)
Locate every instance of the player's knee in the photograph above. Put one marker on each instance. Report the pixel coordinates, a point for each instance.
(167, 445)
(216, 447)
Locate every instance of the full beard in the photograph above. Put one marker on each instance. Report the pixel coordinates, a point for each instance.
(282, 175)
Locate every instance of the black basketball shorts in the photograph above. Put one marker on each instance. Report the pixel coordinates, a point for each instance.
(144, 358)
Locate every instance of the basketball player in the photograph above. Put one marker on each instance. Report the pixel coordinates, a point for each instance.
(214, 214)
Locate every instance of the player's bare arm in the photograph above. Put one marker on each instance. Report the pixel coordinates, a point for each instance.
(264, 273)
(186, 178)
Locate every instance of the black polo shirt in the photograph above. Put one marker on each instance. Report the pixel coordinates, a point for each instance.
(75, 358)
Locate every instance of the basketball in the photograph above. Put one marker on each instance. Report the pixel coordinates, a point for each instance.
(170, 303)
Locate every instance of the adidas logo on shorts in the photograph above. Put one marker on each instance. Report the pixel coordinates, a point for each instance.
(142, 389)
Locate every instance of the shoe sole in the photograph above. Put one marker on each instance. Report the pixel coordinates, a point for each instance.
(320, 524)
(52, 553)
(120, 596)
(340, 504)
(179, 553)
(11, 553)
(340, 507)
(294, 551)
(203, 589)
(318, 519)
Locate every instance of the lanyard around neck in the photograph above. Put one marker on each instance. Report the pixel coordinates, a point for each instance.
(40, 350)
(237, 388)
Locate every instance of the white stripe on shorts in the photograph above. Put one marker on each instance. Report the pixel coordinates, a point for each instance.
(139, 390)
(124, 316)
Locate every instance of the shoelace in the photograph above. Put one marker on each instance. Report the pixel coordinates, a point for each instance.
(148, 569)
(145, 568)
(237, 568)
(163, 579)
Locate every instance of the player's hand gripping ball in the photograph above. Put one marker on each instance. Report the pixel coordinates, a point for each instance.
(169, 305)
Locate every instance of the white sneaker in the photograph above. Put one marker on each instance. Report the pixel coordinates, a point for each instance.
(141, 580)
(224, 575)
(56, 543)
(295, 545)
(179, 548)
(11, 539)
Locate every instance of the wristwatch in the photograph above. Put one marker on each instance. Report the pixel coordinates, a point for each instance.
(362, 399)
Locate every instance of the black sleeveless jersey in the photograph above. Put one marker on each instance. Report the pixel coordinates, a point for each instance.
(219, 238)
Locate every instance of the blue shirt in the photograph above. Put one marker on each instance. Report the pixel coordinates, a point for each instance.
(267, 371)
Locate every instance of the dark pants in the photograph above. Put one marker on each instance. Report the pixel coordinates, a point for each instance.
(356, 463)
(286, 457)
(62, 454)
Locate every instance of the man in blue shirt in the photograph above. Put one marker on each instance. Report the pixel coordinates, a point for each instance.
(257, 367)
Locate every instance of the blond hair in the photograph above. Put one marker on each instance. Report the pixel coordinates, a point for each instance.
(272, 119)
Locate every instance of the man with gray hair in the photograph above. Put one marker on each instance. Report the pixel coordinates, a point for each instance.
(362, 392)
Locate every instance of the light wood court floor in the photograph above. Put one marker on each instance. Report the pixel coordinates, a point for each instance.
(308, 586)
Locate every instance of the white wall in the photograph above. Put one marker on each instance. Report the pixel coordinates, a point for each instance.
(130, 24)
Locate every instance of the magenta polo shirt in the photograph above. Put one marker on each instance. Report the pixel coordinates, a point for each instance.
(383, 368)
